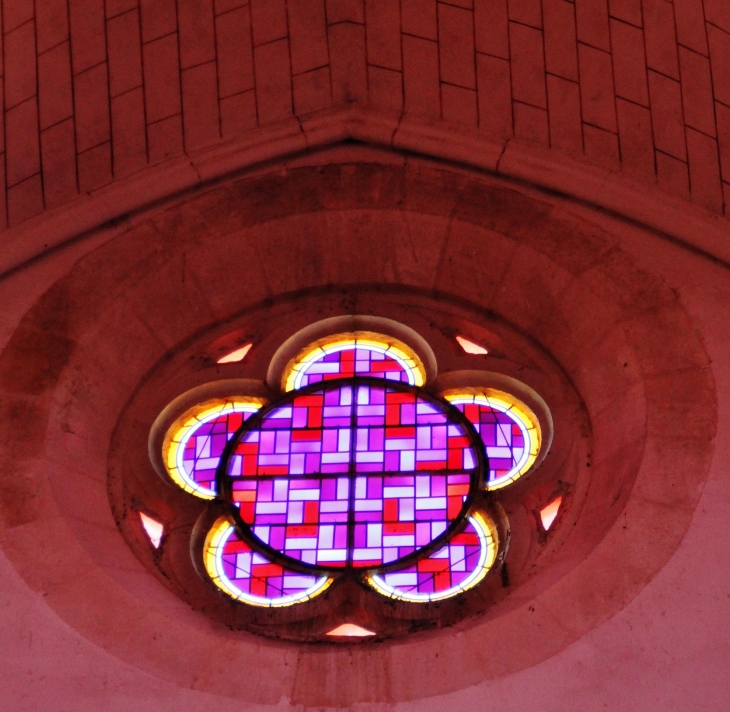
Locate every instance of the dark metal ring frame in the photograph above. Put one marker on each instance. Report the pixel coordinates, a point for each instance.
(478, 499)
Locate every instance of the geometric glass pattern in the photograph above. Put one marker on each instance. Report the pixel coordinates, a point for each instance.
(195, 444)
(454, 568)
(356, 354)
(352, 473)
(510, 433)
(248, 576)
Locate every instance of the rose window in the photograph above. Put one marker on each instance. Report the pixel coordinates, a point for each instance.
(355, 471)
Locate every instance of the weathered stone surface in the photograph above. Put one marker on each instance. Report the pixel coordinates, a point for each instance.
(269, 254)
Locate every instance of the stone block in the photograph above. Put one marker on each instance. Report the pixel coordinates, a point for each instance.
(307, 35)
(125, 53)
(592, 23)
(88, 36)
(201, 117)
(91, 104)
(561, 55)
(629, 63)
(495, 96)
(564, 113)
(456, 46)
(55, 91)
(129, 138)
(704, 170)
(421, 77)
(162, 78)
(196, 31)
(697, 91)
(527, 65)
(59, 163)
(273, 81)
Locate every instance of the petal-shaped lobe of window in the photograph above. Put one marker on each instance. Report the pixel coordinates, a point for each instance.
(247, 576)
(457, 567)
(194, 443)
(355, 354)
(509, 430)
(356, 474)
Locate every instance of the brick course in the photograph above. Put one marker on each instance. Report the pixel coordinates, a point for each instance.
(95, 90)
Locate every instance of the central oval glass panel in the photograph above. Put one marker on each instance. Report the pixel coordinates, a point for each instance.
(353, 473)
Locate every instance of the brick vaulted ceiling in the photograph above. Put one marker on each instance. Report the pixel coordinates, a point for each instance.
(96, 90)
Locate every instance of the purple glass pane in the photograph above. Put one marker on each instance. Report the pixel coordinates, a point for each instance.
(503, 438)
(255, 575)
(356, 476)
(353, 362)
(445, 569)
(204, 447)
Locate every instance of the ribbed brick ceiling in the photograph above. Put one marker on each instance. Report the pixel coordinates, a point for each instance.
(96, 90)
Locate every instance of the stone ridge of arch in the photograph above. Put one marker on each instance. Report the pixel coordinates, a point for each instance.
(114, 208)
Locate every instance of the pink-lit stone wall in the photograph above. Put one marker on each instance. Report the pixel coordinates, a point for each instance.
(119, 113)
(661, 646)
(95, 91)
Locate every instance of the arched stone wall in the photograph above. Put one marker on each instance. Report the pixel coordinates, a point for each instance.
(83, 350)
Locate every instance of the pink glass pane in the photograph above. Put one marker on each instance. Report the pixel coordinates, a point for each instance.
(352, 475)
(353, 362)
(447, 568)
(255, 575)
(503, 438)
(204, 448)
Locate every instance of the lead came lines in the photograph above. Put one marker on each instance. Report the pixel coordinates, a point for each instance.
(357, 470)
(303, 521)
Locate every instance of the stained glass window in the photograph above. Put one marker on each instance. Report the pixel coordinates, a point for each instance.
(510, 433)
(357, 474)
(248, 576)
(356, 354)
(354, 471)
(195, 443)
(458, 566)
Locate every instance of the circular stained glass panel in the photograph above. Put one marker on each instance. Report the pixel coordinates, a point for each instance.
(357, 473)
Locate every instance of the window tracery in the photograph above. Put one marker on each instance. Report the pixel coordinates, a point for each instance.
(355, 470)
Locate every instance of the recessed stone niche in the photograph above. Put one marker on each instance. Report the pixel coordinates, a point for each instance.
(138, 322)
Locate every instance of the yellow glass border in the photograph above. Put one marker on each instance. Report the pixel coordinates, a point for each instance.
(400, 352)
(488, 540)
(180, 431)
(215, 541)
(523, 416)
